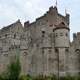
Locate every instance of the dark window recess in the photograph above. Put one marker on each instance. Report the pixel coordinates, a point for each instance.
(63, 23)
(37, 45)
(51, 60)
(0, 48)
(9, 48)
(43, 32)
(42, 35)
(6, 55)
(67, 50)
(56, 50)
(51, 25)
(49, 50)
(14, 36)
(77, 51)
(42, 51)
(6, 35)
(66, 34)
(46, 20)
(79, 73)
(61, 34)
(56, 35)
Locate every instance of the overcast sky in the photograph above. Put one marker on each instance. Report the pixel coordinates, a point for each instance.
(12, 10)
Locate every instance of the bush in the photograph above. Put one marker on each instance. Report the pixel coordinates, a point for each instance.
(25, 77)
(12, 72)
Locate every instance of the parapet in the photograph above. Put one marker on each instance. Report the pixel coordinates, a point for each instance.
(26, 24)
(78, 33)
(53, 9)
(76, 36)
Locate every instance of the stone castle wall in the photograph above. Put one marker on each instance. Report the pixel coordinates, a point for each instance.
(35, 45)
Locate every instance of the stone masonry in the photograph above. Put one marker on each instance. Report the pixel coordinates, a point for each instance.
(43, 46)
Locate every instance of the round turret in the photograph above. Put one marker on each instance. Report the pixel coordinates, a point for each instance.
(61, 32)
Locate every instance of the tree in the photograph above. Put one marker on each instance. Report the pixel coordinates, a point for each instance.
(14, 70)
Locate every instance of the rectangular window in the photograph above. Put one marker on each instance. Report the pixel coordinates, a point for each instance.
(56, 35)
(61, 34)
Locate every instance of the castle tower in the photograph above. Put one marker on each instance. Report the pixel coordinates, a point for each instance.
(61, 32)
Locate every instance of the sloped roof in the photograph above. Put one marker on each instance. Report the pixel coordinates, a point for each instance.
(61, 26)
(9, 26)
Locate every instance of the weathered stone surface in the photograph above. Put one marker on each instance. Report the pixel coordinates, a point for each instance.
(43, 46)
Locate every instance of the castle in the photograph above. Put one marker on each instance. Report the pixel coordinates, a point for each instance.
(43, 46)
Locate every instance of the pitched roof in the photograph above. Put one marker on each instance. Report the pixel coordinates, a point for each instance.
(61, 26)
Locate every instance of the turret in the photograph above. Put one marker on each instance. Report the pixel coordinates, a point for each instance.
(53, 9)
(61, 32)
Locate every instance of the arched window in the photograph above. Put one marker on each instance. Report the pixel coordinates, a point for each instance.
(43, 33)
(63, 23)
(77, 51)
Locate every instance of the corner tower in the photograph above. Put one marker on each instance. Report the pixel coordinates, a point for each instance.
(62, 40)
(62, 37)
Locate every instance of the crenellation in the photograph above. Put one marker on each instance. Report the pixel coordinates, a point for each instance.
(26, 24)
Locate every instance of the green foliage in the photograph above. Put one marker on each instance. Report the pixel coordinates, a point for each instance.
(41, 77)
(54, 77)
(25, 77)
(14, 70)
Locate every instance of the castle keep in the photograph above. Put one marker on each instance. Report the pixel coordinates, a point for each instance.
(43, 46)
